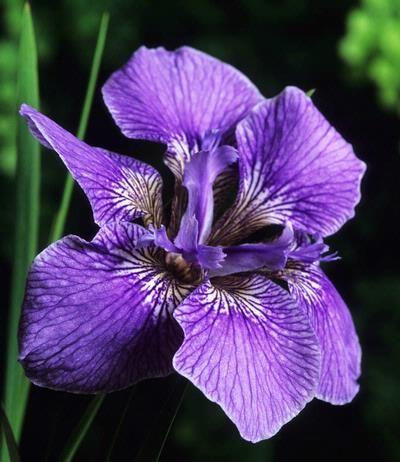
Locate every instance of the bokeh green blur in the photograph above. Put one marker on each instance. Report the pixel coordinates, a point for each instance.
(349, 51)
(371, 47)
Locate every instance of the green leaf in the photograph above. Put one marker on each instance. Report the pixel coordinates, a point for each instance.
(18, 392)
(81, 429)
(26, 220)
(311, 92)
(61, 216)
(5, 428)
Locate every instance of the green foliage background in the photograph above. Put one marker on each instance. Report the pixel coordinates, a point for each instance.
(371, 47)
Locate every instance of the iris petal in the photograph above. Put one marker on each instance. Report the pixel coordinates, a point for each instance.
(97, 316)
(293, 166)
(178, 98)
(249, 348)
(118, 187)
(334, 328)
(249, 257)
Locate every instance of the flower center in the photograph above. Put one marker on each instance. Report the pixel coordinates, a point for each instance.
(188, 257)
(182, 269)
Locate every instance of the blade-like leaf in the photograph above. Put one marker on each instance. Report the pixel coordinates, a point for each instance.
(60, 221)
(5, 428)
(81, 429)
(26, 220)
(61, 216)
(311, 92)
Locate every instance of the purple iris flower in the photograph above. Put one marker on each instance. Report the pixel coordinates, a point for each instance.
(234, 300)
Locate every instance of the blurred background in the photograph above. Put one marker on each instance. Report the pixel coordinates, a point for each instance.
(349, 51)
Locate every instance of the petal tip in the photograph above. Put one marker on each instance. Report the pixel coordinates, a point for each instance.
(339, 400)
(25, 109)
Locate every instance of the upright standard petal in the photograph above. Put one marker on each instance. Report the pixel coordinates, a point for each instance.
(118, 187)
(97, 316)
(334, 328)
(293, 165)
(249, 348)
(176, 98)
